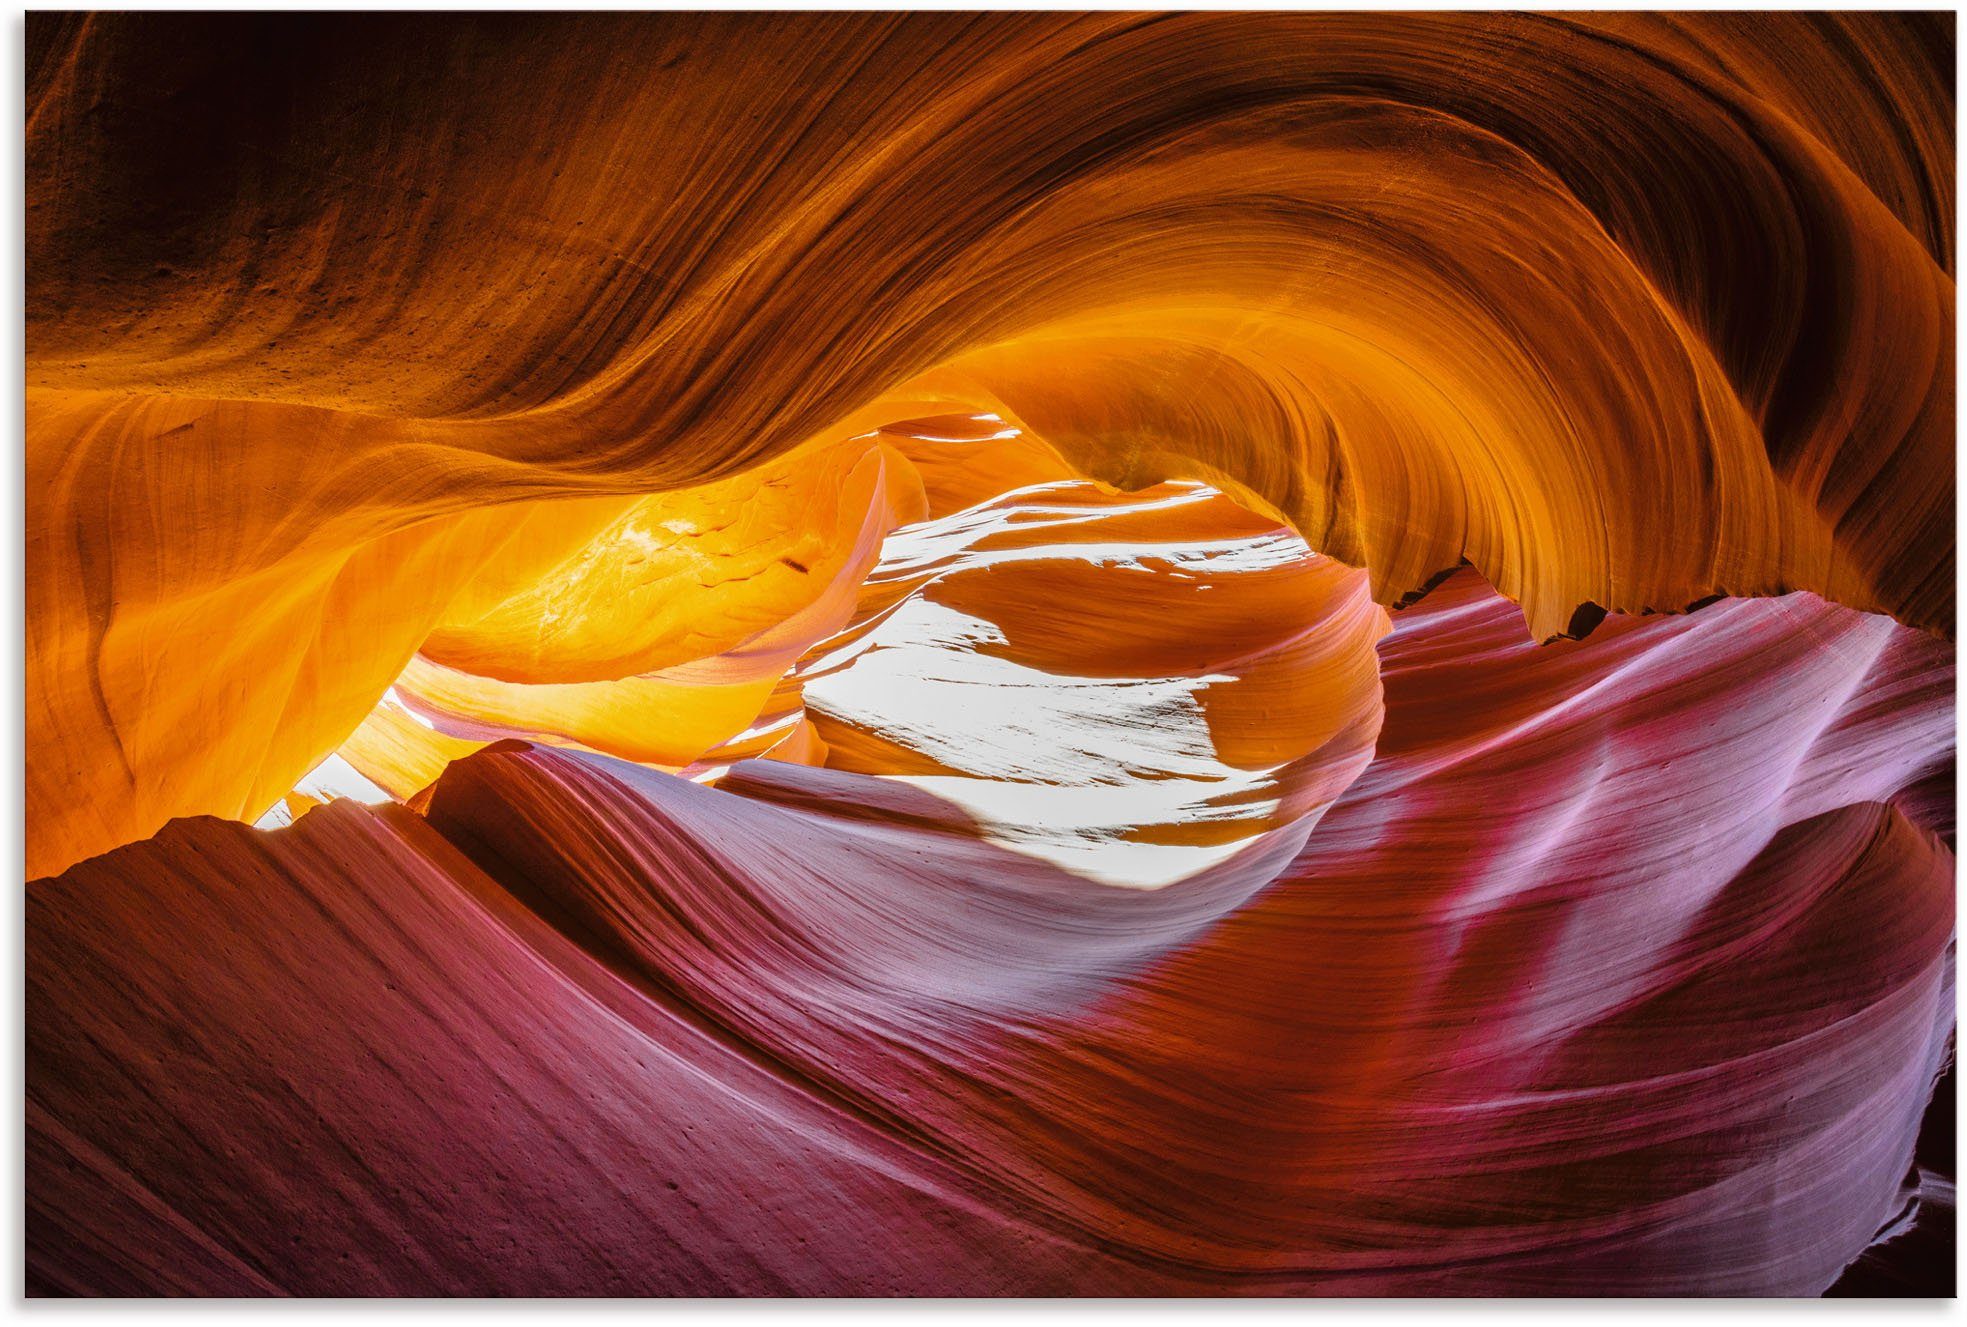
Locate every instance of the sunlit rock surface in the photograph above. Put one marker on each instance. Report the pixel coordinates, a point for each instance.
(940, 654)
(290, 363)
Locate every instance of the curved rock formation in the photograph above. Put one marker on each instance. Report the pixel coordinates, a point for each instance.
(308, 296)
(997, 653)
(1510, 1021)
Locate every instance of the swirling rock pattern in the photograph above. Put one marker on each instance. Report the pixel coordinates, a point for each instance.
(1508, 1020)
(998, 654)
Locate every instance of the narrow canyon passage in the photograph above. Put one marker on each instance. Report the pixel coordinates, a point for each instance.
(988, 654)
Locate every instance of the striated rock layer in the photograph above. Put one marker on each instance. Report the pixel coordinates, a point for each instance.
(1625, 310)
(1510, 1020)
(994, 653)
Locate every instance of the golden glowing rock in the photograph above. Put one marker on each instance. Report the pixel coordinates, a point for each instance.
(920, 471)
(1627, 311)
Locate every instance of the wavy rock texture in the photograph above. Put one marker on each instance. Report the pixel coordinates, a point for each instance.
(306, 298)
(1509, 1020)
(997, 654)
